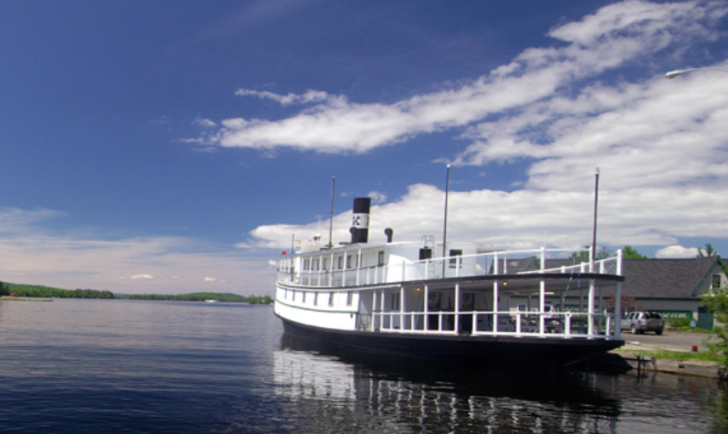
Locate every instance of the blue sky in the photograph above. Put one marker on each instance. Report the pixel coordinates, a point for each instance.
(177, 146)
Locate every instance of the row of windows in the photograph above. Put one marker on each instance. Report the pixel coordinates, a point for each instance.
(316, 297)
(352, 261)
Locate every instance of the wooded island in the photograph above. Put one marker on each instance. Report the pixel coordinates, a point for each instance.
(40, 291)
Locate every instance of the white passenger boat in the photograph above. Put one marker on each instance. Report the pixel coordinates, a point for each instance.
(455, 303)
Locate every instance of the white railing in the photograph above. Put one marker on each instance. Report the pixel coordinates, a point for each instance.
(482, 323)
(494, 263)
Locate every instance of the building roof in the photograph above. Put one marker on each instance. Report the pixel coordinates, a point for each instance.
(668, 278)
(649, 278)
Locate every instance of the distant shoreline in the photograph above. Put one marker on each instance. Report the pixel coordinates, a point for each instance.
(9, 298)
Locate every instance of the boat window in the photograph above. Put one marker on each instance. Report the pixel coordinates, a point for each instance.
(325, 264)
(425, 253)
(349, 298)
(303, 298)
(380, 260)
(453, 257)
(306, 264)
(315, 264)
(349, 262)
(340, 263)
(315, 298)
(522, 307)
(331, 299)
(293, 293)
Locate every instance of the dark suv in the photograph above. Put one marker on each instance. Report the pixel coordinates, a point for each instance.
(640, 322)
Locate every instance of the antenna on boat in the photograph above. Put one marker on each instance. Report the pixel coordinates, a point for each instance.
(331, 219)
(596, 201)
(444, 229)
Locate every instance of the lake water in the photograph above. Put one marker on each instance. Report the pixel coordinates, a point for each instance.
(107, 366)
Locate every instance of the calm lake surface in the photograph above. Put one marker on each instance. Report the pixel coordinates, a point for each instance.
(106, 366)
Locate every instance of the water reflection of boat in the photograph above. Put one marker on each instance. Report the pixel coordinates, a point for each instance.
(450, 303)
(210, 301)
(416, 398)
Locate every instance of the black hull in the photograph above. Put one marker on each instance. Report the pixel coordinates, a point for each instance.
(533, 354)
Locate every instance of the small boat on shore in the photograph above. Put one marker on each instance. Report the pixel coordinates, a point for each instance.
(457, 304)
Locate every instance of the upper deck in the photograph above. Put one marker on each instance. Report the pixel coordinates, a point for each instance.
(363, 265)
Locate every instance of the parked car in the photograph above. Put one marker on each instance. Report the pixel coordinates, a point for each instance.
(640, 322)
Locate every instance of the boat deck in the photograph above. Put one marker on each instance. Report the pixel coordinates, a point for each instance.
(516, 294)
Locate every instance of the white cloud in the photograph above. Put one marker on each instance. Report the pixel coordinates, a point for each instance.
(29, 254)
(311, 96)
(607, 39)
(639, 132)
(677, 252)
(660, 144)
(527, 219)
(205, 123)
(377, 197)
(16, 219)
(142, 277)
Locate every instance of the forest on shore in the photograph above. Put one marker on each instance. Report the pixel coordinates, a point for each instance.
(40, 291)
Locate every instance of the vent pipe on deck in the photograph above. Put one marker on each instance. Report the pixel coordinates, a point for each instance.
(389, 233)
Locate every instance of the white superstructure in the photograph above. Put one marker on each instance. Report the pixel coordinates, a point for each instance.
(389, 288)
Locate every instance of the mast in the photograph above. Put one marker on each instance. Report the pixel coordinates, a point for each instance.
(594, 232)
(331, 218)
(444, 228)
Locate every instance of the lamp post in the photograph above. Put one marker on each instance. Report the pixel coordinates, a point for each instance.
(679, 72)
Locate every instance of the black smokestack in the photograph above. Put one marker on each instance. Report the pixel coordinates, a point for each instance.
(360, 220)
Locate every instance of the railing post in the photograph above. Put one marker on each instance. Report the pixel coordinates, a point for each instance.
(591, 259)
(374, 309)
(567, 324)
(618, 299)
(358, 266)
(456, 326)
(401, 308)
(331, 271)
(542, 294)
(608, 331)
(590, 308)
(495, 306)
(426, 308)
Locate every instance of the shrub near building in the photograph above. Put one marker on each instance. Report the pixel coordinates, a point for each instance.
(717, 302)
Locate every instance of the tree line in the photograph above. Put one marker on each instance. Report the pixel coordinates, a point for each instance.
(40, 291)
(22, 290)
(202, 296)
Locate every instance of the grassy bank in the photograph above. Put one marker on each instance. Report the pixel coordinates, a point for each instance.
(683, 356)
